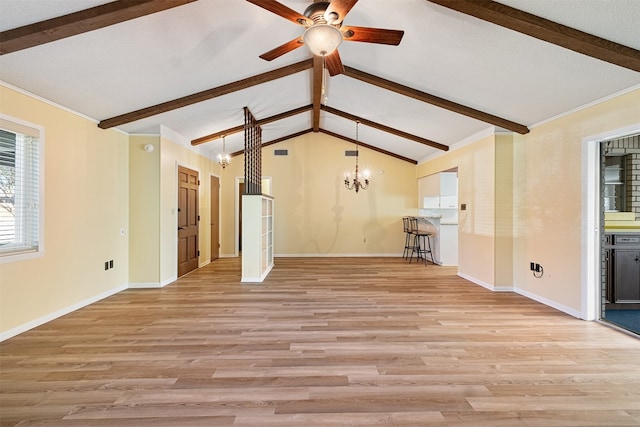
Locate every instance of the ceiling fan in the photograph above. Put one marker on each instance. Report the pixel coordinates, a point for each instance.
(324, 31)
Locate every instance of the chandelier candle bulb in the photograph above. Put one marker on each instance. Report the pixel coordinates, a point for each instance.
(223, 158)
(356, 184)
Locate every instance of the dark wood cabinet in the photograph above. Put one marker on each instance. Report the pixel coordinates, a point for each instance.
(622, 264)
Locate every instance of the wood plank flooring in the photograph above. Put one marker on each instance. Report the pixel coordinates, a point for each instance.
(323, 341)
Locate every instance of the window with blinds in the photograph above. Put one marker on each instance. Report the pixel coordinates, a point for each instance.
(20, 216)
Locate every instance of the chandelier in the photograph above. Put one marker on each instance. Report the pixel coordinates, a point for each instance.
(223, 158)
(356, 184)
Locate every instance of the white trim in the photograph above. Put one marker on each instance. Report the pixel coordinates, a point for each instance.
(153, 285)
(219, 210)
(236, 216)
(145, 285)
(168, 281)
(49, 317)
(257, 279)
(590, 231)
(332, 255)
(590, 214)
(585, 106)
(550, 303)
(486, 285)
(15, 257)
(46, 101)
(156, 134)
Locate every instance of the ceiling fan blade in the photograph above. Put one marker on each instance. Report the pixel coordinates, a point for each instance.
(282, 49)
(372, 35)
(334, 63)
(337, 10)
(283, 11)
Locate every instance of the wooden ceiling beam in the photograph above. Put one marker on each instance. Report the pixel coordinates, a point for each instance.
(81, 22)
(260, 122)
(435, 100)
(206, 95)
(370, 147)
(318, 70)
(549, 31)
(385, 128)
(335, 135)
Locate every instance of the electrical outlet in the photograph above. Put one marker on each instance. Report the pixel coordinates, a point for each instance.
(538, 268)
(106, 265)
(111, 263)
(532, 266)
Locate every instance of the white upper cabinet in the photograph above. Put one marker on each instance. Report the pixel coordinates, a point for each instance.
(439, 191)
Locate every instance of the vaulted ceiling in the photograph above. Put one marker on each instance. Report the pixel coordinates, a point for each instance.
(463, 67)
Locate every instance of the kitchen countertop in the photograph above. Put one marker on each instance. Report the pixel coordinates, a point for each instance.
(435, 216)
(624, 226)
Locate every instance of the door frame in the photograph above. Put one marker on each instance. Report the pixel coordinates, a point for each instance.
(212, 175)
(591, 233)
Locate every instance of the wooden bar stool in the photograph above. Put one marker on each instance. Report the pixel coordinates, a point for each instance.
(409, 239)
(421, 242)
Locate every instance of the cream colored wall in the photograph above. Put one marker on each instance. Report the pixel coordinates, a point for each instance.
(549, 198)
(536, 182)
(476, 189)
(86, 204)
(315, 214)
(504, 167)
(172, 154)
(144, 214)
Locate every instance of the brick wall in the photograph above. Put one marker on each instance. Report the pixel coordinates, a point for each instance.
(630, 148)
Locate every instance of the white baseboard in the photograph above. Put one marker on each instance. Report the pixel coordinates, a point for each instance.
(145, 285)
(398, 255)
(550, 303)
(49, 317)
(538, 298)
(486, 285)
(152, 285)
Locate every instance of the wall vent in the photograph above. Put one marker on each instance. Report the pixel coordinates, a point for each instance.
(280, 152)
(351, 153)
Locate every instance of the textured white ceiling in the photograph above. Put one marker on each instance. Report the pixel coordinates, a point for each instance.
(202, 45)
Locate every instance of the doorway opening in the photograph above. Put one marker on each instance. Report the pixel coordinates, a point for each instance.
(619, 205)
(214, 189)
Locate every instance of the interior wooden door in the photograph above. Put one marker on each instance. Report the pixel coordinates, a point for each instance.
(188, 218)
(215, 218)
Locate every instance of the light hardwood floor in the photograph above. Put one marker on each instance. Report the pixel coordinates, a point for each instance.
(347, 341)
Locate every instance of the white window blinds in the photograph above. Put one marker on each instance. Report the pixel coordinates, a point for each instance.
(19, 188)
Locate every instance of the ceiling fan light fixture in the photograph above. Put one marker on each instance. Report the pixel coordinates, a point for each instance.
(322, 39)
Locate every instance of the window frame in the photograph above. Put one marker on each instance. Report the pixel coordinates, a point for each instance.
(18, 126)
